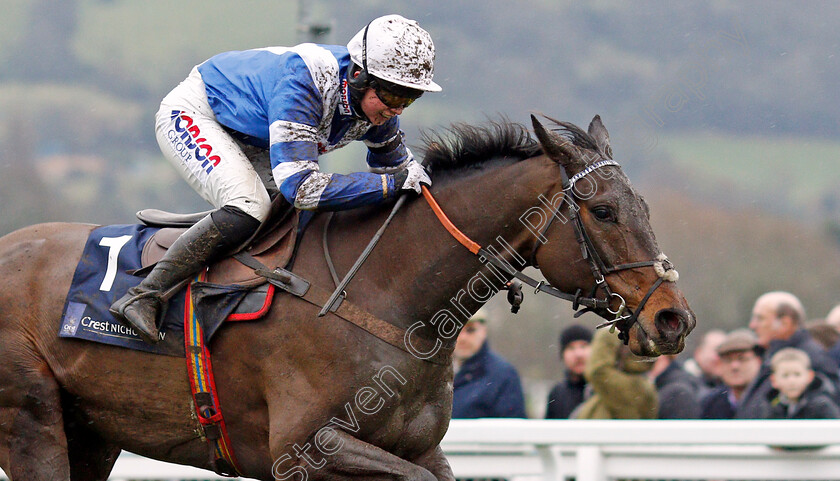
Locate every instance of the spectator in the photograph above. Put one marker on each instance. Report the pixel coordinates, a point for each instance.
(678, 391)
(575, 343)
(740, 362)
(620, 390)
(797, 393)
(823, 333)
(777, 320)
(705, 362)
(833, 320)
(485, 385)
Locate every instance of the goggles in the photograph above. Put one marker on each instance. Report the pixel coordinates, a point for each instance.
(396, 97)
(393, 101)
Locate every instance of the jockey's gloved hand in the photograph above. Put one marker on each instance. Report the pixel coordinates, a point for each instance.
(412, 177)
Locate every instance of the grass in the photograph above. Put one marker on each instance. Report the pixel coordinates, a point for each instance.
(802, 171)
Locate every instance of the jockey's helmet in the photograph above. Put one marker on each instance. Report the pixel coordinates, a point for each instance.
(394, 50)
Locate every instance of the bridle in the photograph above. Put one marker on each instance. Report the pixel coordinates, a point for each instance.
(624, 317)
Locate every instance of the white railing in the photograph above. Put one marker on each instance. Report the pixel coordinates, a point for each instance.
(605, 450)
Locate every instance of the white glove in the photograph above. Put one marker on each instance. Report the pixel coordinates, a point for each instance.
(412, 177)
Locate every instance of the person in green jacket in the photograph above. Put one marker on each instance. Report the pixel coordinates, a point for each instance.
(620, 389)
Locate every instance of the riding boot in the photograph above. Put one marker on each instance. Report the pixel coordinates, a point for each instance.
(140, 308)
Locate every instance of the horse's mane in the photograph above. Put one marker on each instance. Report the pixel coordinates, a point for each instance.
(463, 146)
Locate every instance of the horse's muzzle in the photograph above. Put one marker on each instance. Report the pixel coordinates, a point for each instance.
(673, 325)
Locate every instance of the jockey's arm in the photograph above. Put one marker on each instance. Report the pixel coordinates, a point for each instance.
(387, 152)
(305, 186)
(298, 176)
(295, 111)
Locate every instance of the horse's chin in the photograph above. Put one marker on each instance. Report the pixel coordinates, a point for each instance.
(642, 344)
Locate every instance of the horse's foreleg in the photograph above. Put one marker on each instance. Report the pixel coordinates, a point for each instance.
(435, 461)
(350, 458)
(34, 437)
(91, 458)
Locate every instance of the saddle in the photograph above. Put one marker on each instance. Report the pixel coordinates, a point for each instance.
(273, 245)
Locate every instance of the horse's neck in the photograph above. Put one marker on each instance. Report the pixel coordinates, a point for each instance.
(431, 276)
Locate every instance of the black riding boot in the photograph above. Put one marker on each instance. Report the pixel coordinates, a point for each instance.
(140, 307)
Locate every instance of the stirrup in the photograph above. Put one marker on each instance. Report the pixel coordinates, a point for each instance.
(148, 329)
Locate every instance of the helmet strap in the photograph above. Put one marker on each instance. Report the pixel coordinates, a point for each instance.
(356, 86)
(358, 80)
(361, 80)
(364, 48)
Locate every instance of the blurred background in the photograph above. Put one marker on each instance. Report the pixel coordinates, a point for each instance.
(725, 116)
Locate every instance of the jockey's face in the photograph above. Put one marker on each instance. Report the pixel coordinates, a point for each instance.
(375, 111)
(791, 378)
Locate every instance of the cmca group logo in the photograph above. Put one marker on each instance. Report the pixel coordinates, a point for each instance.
(188, 143)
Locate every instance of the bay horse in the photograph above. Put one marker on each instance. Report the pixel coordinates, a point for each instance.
(319, 398)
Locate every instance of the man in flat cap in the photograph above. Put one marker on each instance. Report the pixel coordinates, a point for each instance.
(740, 361)
(485, 385)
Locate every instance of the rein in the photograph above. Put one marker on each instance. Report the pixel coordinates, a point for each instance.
(624, 317)
(475, 248)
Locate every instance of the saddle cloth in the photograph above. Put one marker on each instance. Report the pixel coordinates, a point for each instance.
(102, 276)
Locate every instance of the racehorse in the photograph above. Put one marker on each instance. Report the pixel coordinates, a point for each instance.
(307, 397)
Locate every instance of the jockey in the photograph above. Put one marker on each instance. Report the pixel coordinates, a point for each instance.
(238, 112)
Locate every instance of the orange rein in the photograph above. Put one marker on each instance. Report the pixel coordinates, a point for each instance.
(456, 233)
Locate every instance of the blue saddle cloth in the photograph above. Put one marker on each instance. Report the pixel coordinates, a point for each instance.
(101, 278)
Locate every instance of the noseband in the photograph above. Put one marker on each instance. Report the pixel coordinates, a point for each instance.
(624, 317)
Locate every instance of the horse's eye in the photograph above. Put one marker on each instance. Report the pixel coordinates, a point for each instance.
(603, 213)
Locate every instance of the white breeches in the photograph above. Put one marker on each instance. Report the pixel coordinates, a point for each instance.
(207, 157)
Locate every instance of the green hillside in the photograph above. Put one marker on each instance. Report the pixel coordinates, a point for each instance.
(787, 174)
(156, 42)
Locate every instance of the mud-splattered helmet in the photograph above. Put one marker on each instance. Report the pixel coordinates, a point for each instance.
(396, 51)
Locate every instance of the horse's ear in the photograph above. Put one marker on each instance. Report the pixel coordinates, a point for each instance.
(601, 136)
(556, 147)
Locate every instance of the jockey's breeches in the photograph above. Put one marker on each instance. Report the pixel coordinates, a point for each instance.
(206, 156)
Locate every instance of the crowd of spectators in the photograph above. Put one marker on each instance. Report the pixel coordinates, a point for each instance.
(779, 366)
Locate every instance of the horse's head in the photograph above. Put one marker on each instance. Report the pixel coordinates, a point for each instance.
(634, 281)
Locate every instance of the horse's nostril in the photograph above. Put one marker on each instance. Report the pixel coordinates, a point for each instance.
(671, 322)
